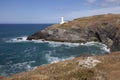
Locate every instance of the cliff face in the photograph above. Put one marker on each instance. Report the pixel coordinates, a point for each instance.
(101, 28)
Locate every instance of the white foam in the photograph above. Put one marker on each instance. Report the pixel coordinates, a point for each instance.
(14, 68)
(105, 48)
(39, 41)
(90, 43)
(52, 59)
(58, 44)
(23, 65)
(18, 39)
(97, 44)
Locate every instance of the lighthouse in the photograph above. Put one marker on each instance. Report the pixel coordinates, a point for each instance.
(62, 20)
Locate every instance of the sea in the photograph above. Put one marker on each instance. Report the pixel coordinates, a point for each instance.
(19, 55)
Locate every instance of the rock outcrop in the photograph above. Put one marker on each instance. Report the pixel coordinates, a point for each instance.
(89, 62)
(102, 28)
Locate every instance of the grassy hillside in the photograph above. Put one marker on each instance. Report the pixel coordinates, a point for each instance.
(88, 21)
(107, 69)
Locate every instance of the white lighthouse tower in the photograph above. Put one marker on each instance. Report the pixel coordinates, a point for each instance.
(62, 20)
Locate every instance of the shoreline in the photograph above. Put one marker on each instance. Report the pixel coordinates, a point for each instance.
(107, 58)
(102, 29)
(24, 39)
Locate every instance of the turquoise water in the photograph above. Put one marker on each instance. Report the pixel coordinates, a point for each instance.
(22, 55)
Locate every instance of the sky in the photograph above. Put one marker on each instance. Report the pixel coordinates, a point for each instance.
(50, 11)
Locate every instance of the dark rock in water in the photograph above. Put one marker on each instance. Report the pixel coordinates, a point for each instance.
(19, 38)
(100, 28)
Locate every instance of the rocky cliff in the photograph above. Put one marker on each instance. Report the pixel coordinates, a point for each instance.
(102, 28)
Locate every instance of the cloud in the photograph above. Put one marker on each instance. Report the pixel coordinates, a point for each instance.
(91, 1)
(59, 8)
(78, 14)
(113, 0)
(103, 3)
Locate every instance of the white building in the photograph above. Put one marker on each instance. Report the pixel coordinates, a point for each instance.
(62, 20)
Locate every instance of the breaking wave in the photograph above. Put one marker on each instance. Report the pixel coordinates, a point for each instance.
(52, 59)
(15, 68)
(17, 39)
(58, 44)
